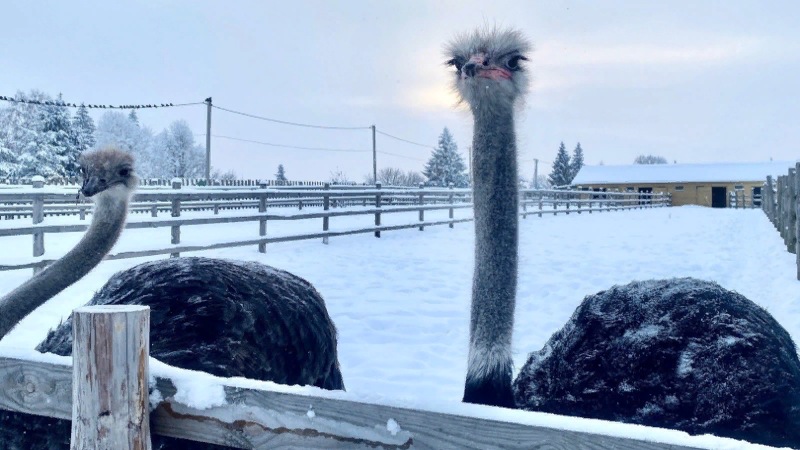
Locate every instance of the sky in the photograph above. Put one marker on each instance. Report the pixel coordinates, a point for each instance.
(693, 81)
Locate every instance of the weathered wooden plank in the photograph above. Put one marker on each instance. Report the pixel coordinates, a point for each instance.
(38, 388)
(110, 395)
(264, 419)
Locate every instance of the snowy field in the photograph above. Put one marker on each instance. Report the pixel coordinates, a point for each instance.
(401, 302)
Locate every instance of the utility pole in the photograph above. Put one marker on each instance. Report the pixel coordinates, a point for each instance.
(535, 173)
(208, 142)
(374, 157)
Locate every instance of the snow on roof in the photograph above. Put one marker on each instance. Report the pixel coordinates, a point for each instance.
(681, 173)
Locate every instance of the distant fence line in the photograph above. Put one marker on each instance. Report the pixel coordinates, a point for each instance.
(782, 206)
(61, 181)
(373, 202)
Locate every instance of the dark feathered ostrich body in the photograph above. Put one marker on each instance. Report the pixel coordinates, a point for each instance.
(491, 80)
(223, 317)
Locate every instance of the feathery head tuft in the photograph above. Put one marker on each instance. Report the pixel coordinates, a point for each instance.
(107, 169)
(489, 67)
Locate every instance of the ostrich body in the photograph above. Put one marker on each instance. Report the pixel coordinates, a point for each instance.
(226, 318)
(491, 81)
(681, 353)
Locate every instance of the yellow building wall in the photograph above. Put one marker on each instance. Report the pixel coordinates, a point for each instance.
(690, 194)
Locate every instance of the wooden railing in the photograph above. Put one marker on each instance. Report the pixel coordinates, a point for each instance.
(330, 204)
(782, 206)
(263, 417)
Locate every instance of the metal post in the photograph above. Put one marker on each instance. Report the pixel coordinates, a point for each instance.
(535, 173)
(374, 157)
(208, 142)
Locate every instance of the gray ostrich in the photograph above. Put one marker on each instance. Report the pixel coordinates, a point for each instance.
(491, 80)
(680, 353)
(227, 318)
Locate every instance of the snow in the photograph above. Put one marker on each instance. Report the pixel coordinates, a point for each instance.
(401, 302)
(681, 173)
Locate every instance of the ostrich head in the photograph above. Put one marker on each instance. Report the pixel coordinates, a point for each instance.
(489, 68)
(107, 171)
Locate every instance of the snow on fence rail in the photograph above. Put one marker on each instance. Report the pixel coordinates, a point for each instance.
(373, 202)
(274, 417)
(782, 206)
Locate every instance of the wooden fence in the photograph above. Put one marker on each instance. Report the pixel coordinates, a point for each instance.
(260, 418)
(333, 203)
(782, 206)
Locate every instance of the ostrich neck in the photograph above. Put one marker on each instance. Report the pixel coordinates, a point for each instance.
(494, 168)
(107, 224)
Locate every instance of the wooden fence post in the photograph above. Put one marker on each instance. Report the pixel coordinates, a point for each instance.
(110, 399)
(567, 201)
(176, 212)
(450, 201)
(326, 205)
(377, 213)
(38, 217)
(541, 202)
(791, 210)
(262, 222)
(421, 210)
(767, 199)
(522, 200)
(796, 208)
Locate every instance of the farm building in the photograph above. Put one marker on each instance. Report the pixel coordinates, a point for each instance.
(689, 184)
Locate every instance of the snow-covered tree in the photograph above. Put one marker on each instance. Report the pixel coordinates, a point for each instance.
(446, 164)
(115, 129)
(561, 174)
(280, 176)
(35, 151)
(577, 161)
(650, 159)
(180, 156)
(57, 152)
(83, 130)
(217, 174)
(133, 117)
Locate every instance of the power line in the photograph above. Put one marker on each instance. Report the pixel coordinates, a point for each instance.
(400, 156)
(270, 144)
(297, 124)
(93, 106)
(404, 140)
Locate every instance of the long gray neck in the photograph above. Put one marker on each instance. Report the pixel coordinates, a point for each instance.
(107, 224)
(494, 284)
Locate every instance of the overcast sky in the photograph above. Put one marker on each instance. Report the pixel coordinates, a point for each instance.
(693, 81)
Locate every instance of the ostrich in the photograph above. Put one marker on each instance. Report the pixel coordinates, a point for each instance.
(679, 353)
(491, 80)
(227, 318)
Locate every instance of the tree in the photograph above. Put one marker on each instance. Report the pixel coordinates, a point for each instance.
(57, 152)
(181, 156)
(217, 174)
(446, 164)
(650, 159)
(83, 130)
(577, 162)
(133, 117)
(562, 172)
(281, 175)
(115, 129)
(21, 135)
(339, 177)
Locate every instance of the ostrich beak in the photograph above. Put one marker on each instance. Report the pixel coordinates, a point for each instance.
(478, 66)
(91, 186)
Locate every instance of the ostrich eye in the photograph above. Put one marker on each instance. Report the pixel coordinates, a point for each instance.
(513, 62)
(458, 62)
(124, 172)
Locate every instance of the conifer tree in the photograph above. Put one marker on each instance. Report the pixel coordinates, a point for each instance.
(83, 130)
(562, 172)
(446, 164)
(577, 161)
(281, 175)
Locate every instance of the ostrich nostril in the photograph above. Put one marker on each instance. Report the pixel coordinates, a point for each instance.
(485, 62)
(469, 69)
(102, 181)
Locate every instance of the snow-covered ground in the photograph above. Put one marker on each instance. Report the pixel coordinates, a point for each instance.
(401, 302)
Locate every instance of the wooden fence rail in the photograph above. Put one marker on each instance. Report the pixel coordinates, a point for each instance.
(253, 418)
(371, 202)
(782, 206)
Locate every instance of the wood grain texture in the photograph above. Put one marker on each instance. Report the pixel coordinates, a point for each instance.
(110, 398)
